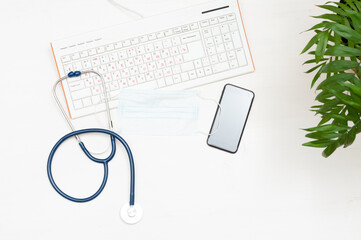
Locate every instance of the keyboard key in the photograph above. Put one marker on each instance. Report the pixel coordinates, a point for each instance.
(184, 76)
(114, 86)
(92, 52)
(218, 39)
(222, 19)
(194, 26)
(86, 63)
(231, 16)
(132, 81)
(149, 76)
(209, 42)
(176, 69)
(87, 102)
(174, 51)
(191, 37)
(65, 59)
(143, 38)
(192, 75)
(168, 32)
(118, 45)
(237, 39)
(177, 30)
(75, 56)
(141, 78)
(222, 57)
(167, 71)
(200, 72)
(95, 99)
(152, 36)
(204, 23)
(208, 70)
(109, 47)
(186, 28)
(78, 104)
(120, 64)
(126, 43)
(241, 56)
(228, 46)
(211, 50)
(169, 81)
(160, 35)
(176, 41)
(89, 82)
(207, 33)
(198, 63)
(177, 78)
(74, 86)
(220, 48)
(224, 28)
(161, 82)
(123, 54)
(226, 37)
(216, 31)
(158, 45)
(104, 59)
(113, 57)
(205, 61)
(167, 43)
(187, 66)
(233, 26)
(75, 95)
(158, 74)
(213, 21)
(134, 41)
(220, 67)
(100, 49)
(231, 55)
(233, 64)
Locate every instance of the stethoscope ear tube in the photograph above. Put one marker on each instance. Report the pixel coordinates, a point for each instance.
(105, 161)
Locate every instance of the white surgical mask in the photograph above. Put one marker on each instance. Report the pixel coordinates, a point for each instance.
(158, 112)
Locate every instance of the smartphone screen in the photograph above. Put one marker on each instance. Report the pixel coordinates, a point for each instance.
(230, 119)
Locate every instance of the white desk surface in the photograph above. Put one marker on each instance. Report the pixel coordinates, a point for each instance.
(273, 188)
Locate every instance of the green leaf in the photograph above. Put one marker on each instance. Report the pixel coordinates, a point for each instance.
(323, 136)
(345, 32)
(321, 46)
(312, 42)
(315, 67)
(339, 66)
(343, 51)
(317, 76)
(318, 143)
(342, 77)
(350, 136)
(334, 9)
(326, 128)
(331, 17)
(317, 26)
(351, 4)
(353, 88)
(314, 61)
(330, 149)
(346, 99)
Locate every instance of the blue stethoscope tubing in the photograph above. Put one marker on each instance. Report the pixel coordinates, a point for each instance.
(105, 161)
(76, 133)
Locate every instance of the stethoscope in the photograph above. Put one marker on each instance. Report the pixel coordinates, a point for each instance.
(130, 213)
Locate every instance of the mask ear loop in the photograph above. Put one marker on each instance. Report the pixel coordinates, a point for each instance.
(219, 112)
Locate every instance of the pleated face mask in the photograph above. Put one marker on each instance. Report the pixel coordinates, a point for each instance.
(158, 112)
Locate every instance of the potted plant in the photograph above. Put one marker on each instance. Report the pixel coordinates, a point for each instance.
(337, 69)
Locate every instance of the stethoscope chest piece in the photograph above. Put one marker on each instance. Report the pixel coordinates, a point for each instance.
(131, 214)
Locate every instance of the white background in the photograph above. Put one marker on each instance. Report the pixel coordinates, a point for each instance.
(273, 188)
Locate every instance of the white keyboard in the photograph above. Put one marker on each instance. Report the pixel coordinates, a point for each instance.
(182, 56)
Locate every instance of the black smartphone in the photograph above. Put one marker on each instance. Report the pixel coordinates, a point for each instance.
(230, 118)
